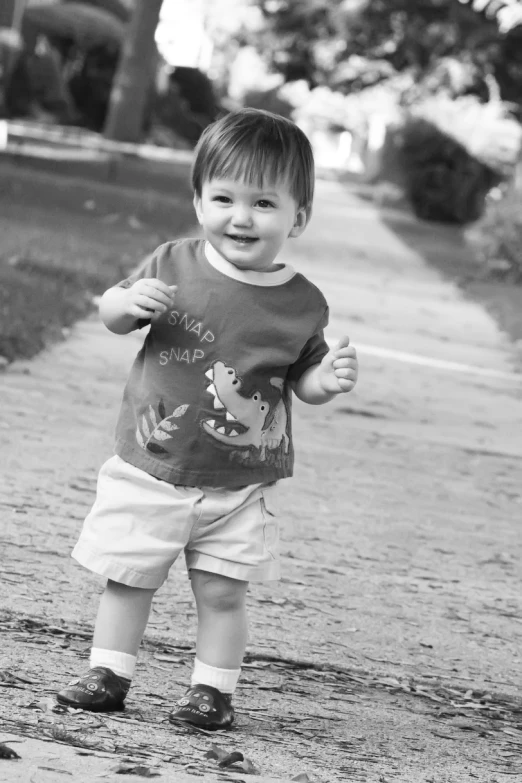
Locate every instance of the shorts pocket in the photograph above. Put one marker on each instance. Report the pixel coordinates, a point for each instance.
(269, 508)
(270, 499)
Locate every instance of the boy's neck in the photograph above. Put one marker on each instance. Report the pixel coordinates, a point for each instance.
(278, 273)
(210, 249)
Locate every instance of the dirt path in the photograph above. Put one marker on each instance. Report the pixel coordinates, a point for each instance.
(391, 648)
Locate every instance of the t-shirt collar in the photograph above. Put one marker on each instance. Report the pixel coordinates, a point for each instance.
(278, 277)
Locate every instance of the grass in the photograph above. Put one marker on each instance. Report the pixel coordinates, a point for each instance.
(37, 302)
(60, 246)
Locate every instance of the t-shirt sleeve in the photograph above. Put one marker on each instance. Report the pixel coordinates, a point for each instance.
(147, 268)
(313, 352)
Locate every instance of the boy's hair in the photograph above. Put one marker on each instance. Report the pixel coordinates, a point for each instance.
(260, 148)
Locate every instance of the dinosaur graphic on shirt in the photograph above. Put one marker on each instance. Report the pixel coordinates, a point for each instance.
(244, 422)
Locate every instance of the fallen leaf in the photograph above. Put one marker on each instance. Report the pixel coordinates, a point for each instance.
(302, 777)
(168, 658)
(8, 677)
(215, 752)
(233, 761)
(8, 753)
(56, 769)
(248, 767)
(256, 665)
(277, 601)
(467, 725)
(47, 705)
(237, 761)
(231, 758)
(142, 771)
(60, 733)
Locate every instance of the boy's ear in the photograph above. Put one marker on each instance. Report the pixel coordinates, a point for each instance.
(197, 206)
(300, 223)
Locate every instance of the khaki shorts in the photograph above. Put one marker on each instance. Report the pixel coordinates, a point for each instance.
(139, 525)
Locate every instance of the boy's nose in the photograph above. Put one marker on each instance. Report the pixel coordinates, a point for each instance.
(242, 216)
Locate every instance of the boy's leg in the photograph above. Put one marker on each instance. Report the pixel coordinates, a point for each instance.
(122, 617)
(220, 647)
(120, 623)
(222, 619)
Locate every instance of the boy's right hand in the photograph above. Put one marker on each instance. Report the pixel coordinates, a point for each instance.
(149, 298)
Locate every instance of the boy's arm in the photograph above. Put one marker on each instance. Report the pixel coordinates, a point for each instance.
(336, 374)
(122, 308)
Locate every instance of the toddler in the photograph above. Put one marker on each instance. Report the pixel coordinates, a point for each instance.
(204, 432)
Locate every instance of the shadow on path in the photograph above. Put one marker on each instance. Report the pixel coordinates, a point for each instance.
(449, 251)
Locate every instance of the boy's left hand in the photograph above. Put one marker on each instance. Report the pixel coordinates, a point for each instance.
(338, 370)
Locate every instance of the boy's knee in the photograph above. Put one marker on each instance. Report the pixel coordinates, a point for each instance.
(119, 588)
(217, 592)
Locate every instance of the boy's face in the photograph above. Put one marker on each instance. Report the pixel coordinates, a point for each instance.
(248, 225)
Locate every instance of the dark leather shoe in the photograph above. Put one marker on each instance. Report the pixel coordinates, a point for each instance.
(205, 707)
(100, 690)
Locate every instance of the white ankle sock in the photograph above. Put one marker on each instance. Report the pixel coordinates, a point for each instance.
(225, 680)
(121, 664)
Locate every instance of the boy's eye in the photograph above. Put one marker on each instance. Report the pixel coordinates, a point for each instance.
(222, 199)
(264, 203)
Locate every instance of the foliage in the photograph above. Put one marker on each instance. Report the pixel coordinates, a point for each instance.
(83, 25)
(335, 111)
(268, 100)
(90, 85)
(484, 130)
(86, 38)
(294, 55)
(506, 13)
(185, 105)
(387, 36)
(121, 9)
(68, 63)
(414, 33)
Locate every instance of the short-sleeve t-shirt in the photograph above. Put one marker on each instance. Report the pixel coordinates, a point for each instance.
(208, 398)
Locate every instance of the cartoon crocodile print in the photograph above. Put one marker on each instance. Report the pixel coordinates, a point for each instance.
(241, 421)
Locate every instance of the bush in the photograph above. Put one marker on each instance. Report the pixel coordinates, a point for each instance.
(185, 106)
(453, 153)
(443, 181)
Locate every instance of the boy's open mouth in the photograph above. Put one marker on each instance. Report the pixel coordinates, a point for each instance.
(242, 239)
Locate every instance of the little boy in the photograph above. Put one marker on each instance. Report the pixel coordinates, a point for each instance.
(204, 431)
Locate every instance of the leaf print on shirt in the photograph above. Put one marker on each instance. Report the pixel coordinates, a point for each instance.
(153, 427)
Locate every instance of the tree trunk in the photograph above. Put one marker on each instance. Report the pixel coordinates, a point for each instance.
(131, 87)
(11, 12)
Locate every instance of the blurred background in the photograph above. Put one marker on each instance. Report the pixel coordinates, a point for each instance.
(417, 102)
(425, 95)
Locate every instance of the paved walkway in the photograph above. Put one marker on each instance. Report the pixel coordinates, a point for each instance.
(398, 620)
